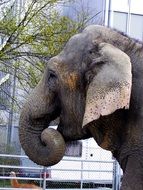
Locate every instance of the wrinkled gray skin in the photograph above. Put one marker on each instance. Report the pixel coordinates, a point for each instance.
(62, 93)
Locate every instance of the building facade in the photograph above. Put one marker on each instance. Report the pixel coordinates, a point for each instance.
(126, 16)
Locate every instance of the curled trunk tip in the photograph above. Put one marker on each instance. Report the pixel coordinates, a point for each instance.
(45, 148)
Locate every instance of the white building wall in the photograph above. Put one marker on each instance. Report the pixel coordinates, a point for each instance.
(91, 152)
(127, 16)
(123, 6)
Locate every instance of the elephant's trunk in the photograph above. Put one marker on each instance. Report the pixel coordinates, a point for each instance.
(45, 147)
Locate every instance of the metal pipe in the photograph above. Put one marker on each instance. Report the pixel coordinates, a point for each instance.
(10, 121)
(128, 18)
(44, 178)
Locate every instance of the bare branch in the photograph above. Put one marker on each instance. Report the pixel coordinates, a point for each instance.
(10, 96)
(4, 2)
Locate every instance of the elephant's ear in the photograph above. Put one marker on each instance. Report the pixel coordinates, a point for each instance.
(110, 88)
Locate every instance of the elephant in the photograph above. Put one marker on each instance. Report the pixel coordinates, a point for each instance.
(94, 86)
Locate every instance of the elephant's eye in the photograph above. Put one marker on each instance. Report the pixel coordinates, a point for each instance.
(51, 75)
(52, 78)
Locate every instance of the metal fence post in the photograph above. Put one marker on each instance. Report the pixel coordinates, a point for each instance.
(11, 113)
(116, 175)
(44, 178)
(81, 182)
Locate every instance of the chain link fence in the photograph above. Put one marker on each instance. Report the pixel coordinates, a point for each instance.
(68, 174)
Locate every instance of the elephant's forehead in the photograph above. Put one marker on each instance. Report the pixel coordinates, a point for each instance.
(77, 44)
(74, 50)
(81, 41)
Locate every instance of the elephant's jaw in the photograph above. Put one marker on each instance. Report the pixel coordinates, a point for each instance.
(73, 131)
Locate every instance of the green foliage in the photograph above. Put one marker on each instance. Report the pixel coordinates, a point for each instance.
(53, 33)
(31, 36)
(7, 22)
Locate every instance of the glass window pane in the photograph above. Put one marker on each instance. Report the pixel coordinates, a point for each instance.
(136, 27)
(120, 20)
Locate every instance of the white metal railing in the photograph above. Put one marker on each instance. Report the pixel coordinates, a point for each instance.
(44, 178)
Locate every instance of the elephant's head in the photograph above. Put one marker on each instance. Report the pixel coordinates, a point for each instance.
(87, 79)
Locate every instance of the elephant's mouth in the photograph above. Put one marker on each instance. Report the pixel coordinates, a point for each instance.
(55, 122)
(73, 131)
(67, 132)
(69, 136)
(43, 144)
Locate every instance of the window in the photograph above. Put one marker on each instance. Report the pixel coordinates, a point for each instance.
(120, 21)
(136, 27)
(74, 149)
